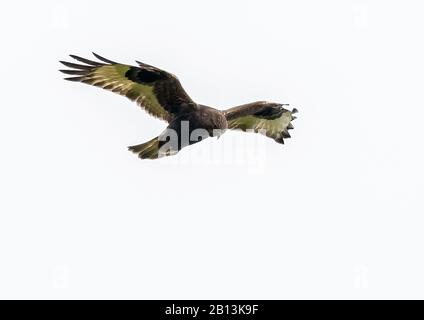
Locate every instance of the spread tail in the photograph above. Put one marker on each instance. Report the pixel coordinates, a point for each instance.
(153, 149)
(147, 150)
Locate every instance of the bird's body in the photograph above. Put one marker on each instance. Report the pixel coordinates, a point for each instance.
(161, 94)
(204, 117)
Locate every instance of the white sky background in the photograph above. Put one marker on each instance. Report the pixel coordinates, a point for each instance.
(334, 213)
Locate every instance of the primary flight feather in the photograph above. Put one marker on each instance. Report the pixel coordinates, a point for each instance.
(160, 94)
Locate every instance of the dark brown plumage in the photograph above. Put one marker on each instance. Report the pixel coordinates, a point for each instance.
(161, 94)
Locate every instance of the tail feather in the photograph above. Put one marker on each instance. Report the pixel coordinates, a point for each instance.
(147, 150)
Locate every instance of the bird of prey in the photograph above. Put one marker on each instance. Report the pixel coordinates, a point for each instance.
(160, 93)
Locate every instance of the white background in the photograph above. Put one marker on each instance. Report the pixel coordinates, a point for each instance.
(337, 212)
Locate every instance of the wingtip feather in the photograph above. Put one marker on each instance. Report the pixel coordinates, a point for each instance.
(103, 59)
(74, 79)
(74, 72)
(87, 61)
(75, 65)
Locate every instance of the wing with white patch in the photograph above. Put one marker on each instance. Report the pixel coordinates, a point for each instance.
(267, 118)
(158, 92)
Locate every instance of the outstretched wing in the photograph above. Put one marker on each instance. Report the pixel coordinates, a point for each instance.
(270, 119)
(157, 91)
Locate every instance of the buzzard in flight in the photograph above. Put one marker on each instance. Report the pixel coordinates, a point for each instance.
(160, 93)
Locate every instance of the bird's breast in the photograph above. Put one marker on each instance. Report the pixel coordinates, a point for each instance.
(209, 119)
